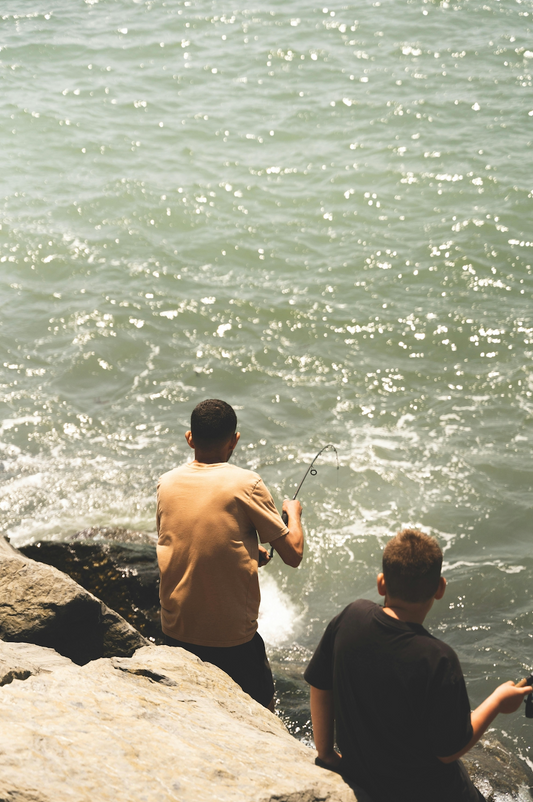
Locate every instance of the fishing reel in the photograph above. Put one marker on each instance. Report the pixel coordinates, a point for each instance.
(529, 698)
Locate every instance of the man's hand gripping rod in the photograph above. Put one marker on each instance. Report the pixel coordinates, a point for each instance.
(313, 472)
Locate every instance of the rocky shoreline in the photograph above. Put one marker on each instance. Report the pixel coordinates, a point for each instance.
(119, 566)
(94, 709)
(157, 726)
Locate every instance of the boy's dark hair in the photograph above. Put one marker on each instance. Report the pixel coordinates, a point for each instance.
(412, 562)
(212, 422)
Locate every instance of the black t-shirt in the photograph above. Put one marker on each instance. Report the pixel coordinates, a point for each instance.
(400, 703)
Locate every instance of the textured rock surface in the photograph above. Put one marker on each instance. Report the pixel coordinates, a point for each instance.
(117, 565)
(22, 660)
(41, 605)
(156, 727)
(497, 773)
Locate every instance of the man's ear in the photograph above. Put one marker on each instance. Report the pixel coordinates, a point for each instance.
(382, 590)
(188, 437)
(442, 587)
(235, 439)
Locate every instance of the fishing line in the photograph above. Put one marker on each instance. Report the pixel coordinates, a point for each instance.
(313, 471)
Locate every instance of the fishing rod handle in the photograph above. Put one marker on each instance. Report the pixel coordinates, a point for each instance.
(529, 697)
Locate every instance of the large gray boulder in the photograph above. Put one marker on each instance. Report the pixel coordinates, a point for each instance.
(157, 727)
(41, 605)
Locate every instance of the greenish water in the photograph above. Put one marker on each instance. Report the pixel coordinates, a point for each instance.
(321, 214)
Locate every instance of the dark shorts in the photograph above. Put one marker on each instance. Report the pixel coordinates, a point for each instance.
(247, 664)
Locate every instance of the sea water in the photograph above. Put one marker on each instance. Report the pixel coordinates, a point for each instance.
(319, 213)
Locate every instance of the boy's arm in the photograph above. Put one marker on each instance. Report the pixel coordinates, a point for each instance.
(323, 719)
(505, 699)
(290, 547)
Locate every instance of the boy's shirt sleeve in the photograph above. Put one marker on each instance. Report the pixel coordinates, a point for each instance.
(449, 716)
(319, 672)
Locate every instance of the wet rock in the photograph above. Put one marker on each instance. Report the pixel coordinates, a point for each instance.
(292, 691)
(41, 605)
(117, 565)
(159, 726)
(113, 533)
(497, 773)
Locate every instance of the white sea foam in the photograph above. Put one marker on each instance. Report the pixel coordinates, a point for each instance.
(279, 617)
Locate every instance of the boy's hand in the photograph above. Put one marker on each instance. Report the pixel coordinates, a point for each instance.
(509, 696)
(264, 556)
(332, 760)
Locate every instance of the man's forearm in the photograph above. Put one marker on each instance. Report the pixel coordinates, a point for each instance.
(290, 547)
(296, 534)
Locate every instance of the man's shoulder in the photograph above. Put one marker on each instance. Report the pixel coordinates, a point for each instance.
(229, 472)
(240, 476)
(243, 472)
(173, 472)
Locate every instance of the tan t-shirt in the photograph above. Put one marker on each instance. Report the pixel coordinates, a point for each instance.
(208, 520)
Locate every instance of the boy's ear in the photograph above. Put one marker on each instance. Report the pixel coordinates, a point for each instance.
(382, 590)
(442, 587)
(188, 437)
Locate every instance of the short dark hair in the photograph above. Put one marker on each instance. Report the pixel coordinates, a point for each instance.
(212, 422)
(412, 563)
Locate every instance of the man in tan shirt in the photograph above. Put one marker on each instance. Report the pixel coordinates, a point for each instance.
(209, 517)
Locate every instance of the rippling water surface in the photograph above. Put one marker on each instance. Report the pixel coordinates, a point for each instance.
(320, 214)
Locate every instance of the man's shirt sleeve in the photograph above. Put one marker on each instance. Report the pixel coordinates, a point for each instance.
(264, 515)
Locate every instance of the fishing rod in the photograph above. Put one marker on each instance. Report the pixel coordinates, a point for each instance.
(313, 471)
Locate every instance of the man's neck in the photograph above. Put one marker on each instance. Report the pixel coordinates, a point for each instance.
(217, 452)
(211, 457)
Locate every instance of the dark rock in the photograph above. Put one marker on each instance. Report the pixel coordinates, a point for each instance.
(496, 772)
(117, 565)
(114, 533)
(292, 691)
(41, 605)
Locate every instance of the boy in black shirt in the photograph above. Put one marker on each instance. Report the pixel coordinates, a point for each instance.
(396, 694)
